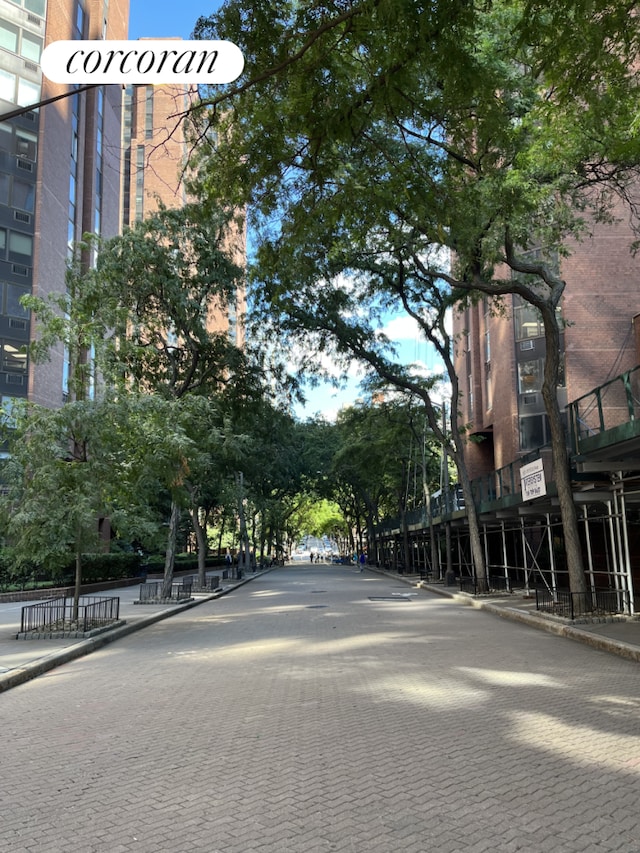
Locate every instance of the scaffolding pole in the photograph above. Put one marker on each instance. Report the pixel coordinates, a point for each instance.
(587, 536)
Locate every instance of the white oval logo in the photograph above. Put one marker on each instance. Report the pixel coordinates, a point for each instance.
(151, 61)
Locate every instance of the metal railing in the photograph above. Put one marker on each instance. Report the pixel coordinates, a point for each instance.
(59, 614)
(211, 583)
(609, 406)
(152, 591)
(572, 605)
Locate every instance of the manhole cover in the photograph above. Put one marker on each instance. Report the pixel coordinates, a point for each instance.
(316, 606)
(389, 598)
(316, 591)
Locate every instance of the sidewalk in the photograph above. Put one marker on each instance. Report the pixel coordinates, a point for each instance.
(617, 636)
(21, 660)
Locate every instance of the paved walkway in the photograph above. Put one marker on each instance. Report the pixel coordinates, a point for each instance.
(323, 710)
(21, 660)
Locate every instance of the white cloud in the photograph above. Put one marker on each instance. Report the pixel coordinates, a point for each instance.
(402, 328)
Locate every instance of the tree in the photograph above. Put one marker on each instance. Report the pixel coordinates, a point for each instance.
(490, 131)
(380, 452)
(63, 319)
(155, 291)
(65, 470)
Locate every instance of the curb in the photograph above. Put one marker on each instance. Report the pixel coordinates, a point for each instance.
(570, 632)
(604, 644)
(32, 670)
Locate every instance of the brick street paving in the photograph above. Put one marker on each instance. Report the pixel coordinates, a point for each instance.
(297, 715)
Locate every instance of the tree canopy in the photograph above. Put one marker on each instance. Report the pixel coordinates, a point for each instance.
(397, 153)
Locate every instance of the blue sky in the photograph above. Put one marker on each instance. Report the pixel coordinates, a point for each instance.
(166, 18)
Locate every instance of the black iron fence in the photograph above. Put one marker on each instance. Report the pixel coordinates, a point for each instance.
(572, 605)
(60, 614)
(211, 583)
(152, 590)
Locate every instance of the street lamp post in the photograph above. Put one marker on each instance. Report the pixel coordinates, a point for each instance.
(20, 111)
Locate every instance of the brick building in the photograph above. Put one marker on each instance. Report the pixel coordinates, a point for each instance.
(59, 173)
(155, 150)
(500, 354)
(499, 358)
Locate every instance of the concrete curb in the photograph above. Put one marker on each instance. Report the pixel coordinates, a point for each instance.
(84, 647)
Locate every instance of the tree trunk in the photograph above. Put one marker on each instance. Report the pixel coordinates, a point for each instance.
(560, 455)
(477, 551)
(201, 540)
(244, 549)
(448, 555)
(170, 555)
(372, 552)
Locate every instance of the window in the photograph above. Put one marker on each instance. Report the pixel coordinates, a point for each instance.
(12, 38)
(35, 6)
(126, 187)
(6, 137)
(4, 189)
(139, 182)
(14, 295)
(26, 144)
(14, 357)
(530, 376)
(3, 241)
(488, 395)
(148, 113)
(20, 244)
(533, 432)
(97, 211)
(23, 195)
(31, 47)
(527, 320)
(80, 22)
(9, 36)
(66, 367)
(28, 92)
(7, 86)
(73, 171)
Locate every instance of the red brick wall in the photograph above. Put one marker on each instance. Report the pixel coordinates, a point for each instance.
(601, 298)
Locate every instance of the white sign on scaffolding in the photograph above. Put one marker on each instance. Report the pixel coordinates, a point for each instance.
(532, 480)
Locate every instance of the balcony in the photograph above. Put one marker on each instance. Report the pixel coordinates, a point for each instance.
(605, 425)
